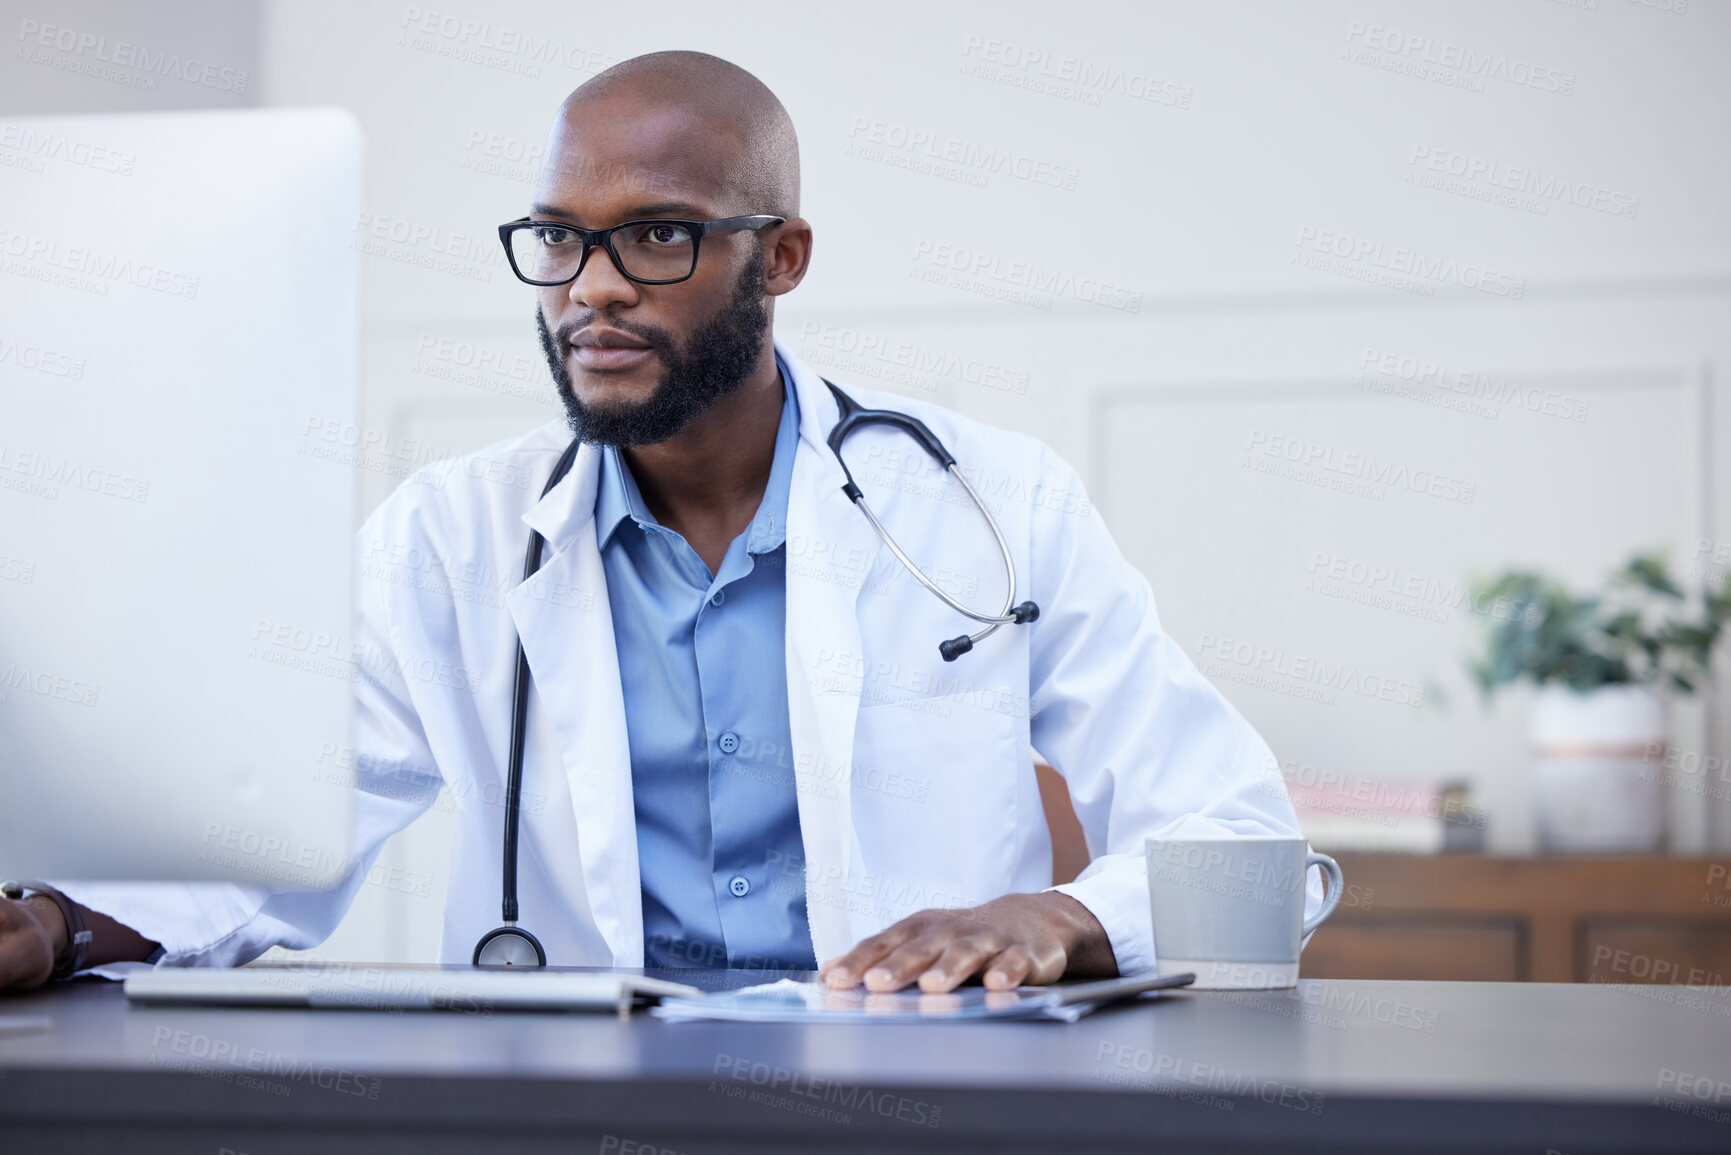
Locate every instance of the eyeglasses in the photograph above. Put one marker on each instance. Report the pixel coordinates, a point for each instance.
(655, 252)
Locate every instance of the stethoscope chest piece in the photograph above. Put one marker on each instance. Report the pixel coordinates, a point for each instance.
(509, 946)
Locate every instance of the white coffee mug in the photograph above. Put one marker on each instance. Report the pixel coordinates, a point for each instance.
(1231, 909)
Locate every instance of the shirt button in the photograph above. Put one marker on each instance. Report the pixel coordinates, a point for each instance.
(720, 596)
(729, 742)
(740, 886)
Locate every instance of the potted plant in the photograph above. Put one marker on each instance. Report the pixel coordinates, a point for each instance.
(1601, 666)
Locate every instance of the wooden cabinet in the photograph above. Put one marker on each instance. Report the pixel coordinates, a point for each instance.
(1469, 916)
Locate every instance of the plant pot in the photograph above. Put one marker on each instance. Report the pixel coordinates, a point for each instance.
(1595, 786)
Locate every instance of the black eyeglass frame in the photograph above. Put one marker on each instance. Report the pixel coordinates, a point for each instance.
(604, 239)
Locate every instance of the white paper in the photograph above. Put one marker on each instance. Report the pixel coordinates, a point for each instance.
(115, 972)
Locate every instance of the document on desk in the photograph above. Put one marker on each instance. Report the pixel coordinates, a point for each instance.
(787, 1001)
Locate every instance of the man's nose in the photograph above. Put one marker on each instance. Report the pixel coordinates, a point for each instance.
(601, 284)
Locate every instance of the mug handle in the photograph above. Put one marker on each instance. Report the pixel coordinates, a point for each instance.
(1334, 884)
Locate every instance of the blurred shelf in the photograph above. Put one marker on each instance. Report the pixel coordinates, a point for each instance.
(1634, 919)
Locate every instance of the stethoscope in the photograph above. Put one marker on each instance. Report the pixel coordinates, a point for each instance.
(512, 946)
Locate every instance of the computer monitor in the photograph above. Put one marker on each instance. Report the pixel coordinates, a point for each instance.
(179, 296)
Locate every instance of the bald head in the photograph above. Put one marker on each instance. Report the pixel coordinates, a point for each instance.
(652, 142)
(682, 122)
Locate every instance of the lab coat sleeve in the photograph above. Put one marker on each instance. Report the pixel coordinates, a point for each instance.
(225, 924)
(1146, 745)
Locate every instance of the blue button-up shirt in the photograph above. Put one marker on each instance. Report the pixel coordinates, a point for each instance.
(702, 661)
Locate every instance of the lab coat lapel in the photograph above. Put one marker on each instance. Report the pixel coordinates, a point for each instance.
(830, 551)
(564, 619)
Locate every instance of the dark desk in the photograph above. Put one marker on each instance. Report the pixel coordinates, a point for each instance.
(1334, 1066)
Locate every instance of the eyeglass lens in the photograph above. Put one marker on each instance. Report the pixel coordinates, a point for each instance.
(650, 250)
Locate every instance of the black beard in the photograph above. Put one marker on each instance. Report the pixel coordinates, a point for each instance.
(721, 354)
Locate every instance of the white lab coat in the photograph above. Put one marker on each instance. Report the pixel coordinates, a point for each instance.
(915, 777)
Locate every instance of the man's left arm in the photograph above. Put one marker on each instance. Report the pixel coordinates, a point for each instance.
(1147, 748)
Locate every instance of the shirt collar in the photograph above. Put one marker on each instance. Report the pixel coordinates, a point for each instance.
(617, 498)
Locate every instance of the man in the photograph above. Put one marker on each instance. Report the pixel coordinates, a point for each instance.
(743, 747)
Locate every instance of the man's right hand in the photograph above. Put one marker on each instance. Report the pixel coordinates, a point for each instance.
(32, 934)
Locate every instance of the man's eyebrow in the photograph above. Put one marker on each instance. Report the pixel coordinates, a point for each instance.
(681, 209)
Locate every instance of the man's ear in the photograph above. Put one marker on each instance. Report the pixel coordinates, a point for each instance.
(789, 256)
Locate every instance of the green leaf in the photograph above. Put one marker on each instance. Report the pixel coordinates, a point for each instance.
(1651, 572)
(1639, 630)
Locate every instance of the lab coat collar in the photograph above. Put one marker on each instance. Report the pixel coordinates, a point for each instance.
(569, 507)
(565, 624)
(818, 414)
(823, 634)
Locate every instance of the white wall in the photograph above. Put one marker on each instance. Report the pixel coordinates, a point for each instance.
(68, 56)
(1269, 126)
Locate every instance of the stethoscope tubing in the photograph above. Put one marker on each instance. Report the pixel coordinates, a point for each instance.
(1003, 617)
(852, 415)
(519, 737)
